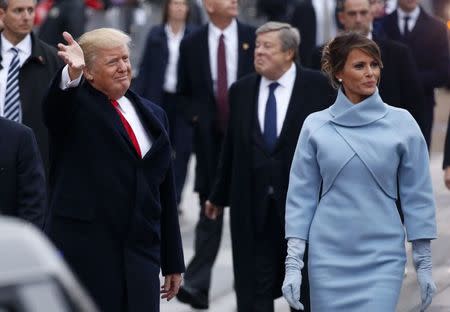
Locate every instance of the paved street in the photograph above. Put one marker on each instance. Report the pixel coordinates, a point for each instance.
(222, 295)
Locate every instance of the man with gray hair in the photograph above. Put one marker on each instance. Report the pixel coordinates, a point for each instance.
(113, 213)
(267, 110)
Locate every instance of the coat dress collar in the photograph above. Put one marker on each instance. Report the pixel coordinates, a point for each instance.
(347, 114)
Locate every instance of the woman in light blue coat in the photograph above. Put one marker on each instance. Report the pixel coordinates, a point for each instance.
(350, 160)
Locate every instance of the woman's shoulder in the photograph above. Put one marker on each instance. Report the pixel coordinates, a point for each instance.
(403, 122)
(316, 120)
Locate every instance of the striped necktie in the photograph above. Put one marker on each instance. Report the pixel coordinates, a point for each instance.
(12, 109)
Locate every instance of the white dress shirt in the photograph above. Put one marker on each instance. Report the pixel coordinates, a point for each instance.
(24, 48)
(173, 44)
(231, 51)
(325, 18)
(126, 107)
(413, 16)
(282, 94)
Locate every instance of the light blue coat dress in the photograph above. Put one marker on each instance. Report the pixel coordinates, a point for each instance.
(356, 238)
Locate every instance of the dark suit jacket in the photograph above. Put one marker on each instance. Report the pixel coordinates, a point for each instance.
(23, 190)
(429, 45)
(34, 78)
(400, 85)
(235, 181)
(195, 85)
(150, 81)
(113, 214)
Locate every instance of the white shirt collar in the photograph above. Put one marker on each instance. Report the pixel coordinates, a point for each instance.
(413, 15)
(284, 80)
(229, 31)
(22, 46)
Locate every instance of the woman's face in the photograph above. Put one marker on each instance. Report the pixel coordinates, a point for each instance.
(360, 75)
(178, 10)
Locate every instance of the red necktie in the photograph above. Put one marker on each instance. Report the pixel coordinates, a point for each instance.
(127, 127)
(222, 86)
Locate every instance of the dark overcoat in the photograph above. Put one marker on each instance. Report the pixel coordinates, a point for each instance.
(23, 191)
(233, 186)
(113, 214)
(195, 85)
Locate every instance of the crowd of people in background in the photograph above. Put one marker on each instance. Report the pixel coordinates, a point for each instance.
(289, 111)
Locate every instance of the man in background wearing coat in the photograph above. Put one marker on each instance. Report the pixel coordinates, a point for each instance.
(37, 63)
(211, 59)
(267, 111)
(426, 37)
(113, 213)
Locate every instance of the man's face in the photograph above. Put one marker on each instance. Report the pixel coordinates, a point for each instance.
(270, 60)
(356, 16)
(222, 8)
(110, 71)
(18, 19)
(408, 5)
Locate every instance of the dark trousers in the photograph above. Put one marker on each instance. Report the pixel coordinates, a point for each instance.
(180, 134)
(208, 234)
(270, 255)
(427, 120)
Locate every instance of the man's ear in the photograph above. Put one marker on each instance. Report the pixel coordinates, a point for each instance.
(208, 6)
(88, 74)
(2, 13)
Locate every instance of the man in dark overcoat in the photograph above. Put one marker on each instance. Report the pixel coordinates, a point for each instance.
(267, 111)
(112, 195)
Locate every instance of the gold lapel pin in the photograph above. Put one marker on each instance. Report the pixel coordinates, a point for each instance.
(245, 46)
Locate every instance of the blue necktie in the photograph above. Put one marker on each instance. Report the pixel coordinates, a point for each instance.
(270, 118)
(12, 108)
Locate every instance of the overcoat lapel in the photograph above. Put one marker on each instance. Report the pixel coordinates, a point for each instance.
(251, 115)
(106, 112)
(295, 111)
(153, 127)
(203, 59)
(416, 32)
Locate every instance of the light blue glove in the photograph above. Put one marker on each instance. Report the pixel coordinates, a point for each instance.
(293, 276)
(422, 261)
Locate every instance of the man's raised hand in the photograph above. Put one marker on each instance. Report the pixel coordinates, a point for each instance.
(72, 54)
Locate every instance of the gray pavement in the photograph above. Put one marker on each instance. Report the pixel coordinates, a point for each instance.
(222, 294)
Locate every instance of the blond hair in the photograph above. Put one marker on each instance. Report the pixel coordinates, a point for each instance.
(101, 38)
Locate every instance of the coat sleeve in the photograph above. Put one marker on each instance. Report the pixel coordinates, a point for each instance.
(58, 106)
(184, 85)
(415, 189)
(31, 185)
(304, 186)
(172, 259)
